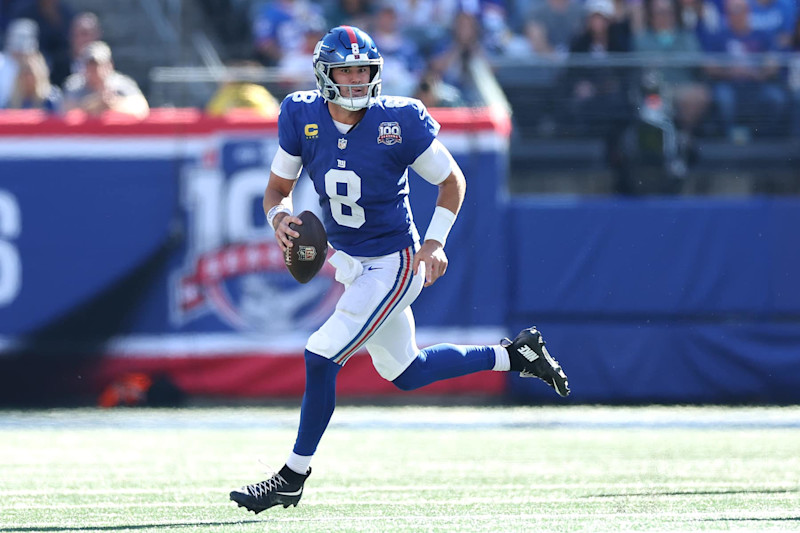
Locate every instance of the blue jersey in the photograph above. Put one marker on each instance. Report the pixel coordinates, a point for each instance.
(776, 18)
(361, 176)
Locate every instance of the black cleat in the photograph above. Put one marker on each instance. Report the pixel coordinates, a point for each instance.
(531, 359)
(283, 488)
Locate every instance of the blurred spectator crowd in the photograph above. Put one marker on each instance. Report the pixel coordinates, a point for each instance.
(53, 59)
(746, 48)
(603, 68)
(429, 45)
(733, 65)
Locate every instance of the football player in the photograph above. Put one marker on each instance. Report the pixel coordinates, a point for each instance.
(357, 146)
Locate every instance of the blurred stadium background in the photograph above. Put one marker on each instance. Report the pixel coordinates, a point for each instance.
(136, 266)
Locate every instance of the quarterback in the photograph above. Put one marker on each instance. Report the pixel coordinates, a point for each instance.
(357, 147)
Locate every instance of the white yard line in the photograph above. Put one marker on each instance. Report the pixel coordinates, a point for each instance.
(636, 489)
(616, 517)
(458, 418)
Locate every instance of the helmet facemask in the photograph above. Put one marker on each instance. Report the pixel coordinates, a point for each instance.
(335, 92)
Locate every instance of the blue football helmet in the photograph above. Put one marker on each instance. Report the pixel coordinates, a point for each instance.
(347, 46)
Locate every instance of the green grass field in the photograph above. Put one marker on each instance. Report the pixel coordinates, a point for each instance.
(406, 469)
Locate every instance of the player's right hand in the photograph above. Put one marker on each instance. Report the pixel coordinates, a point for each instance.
(283, 232)
(431, 255)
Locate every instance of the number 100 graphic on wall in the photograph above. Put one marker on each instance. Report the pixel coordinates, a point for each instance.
(233, 270)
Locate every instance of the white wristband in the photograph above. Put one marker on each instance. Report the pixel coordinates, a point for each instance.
(272, 213)
(440, 225)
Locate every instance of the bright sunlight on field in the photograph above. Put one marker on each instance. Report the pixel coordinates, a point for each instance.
(406, 469)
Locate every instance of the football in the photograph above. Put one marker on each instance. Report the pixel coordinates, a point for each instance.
(306, 258)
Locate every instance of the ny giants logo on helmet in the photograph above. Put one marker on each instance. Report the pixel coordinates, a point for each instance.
(389, 133)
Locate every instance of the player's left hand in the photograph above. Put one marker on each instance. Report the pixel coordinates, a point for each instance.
(432, 254)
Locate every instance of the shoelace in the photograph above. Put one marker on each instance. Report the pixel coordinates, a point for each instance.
(262, 488)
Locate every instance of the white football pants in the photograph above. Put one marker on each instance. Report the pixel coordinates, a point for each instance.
(374, 311)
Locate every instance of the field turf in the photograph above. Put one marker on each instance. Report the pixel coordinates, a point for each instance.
(406, 469)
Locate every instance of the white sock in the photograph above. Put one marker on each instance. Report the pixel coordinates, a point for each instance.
(300, 463)
(501, 360)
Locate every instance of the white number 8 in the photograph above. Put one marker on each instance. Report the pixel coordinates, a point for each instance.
(343, 187)
(304, 96)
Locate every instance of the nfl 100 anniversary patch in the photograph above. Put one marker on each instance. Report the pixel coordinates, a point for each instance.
(389, 133)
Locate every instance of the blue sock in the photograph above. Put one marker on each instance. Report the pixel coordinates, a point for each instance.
(444, 361)
(319, 400)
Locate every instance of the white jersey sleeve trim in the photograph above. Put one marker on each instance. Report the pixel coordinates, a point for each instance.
(286, 165)
(434, 164)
